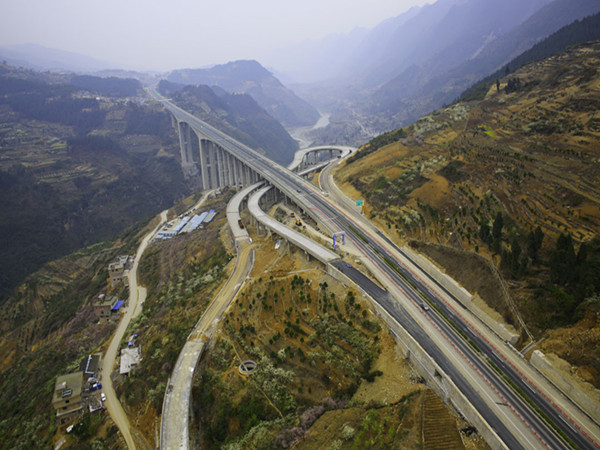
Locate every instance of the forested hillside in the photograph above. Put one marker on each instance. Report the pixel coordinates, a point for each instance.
(77, 168)
(238, 115)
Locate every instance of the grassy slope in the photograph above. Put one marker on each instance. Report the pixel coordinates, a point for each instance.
(530, 154)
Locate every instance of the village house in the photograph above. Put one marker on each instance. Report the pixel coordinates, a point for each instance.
(106, 307)
(118, 270)
(67, 397)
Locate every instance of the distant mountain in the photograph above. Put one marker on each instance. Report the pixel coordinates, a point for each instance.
(249, 77)
(433, 56)
(112, 86)
(238, 115)
(316, 60)
(33, 56)
(444, 34)
(417, 92)
(585, 30)
(371, 57)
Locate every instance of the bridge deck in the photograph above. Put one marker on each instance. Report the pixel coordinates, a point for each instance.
(233, 211)
(298, 239)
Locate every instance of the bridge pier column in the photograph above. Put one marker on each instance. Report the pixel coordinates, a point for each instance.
(226, 172)
(245, 175)
(185, 143)
(231, 168)
(243, 180)
(220, 171)
(224, 167)
(203, 163)
(214, 169)
(219, 155)
(236, 171)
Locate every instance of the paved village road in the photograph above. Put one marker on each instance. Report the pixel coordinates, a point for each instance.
(137, 296)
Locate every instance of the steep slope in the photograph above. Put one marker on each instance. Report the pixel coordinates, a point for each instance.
(238, 115)
(76, 170)
(417, 92)
(432, 58)
(585, 30)
(249, 77)
(46, 328)
(513, 178)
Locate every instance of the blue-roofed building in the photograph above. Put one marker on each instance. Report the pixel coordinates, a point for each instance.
(117, 305)
(177, 228)
(192, 224)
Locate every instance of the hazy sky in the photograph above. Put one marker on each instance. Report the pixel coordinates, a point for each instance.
(169, 34)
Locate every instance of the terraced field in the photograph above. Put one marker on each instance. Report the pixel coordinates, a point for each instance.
(503, 178)
(439, 426)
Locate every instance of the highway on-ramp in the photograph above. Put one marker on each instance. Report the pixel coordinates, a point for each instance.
(176, 404)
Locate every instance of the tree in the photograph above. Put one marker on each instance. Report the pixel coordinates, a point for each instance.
(534, 243)
(563, 261)
(497, 227)
(497, 231)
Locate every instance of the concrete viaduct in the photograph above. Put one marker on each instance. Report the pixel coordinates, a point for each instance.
(217, 166)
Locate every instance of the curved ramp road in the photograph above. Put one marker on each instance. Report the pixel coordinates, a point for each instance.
(174, 432)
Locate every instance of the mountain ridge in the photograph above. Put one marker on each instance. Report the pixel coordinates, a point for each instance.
(238, 115)
(250, 77)
(38, 57)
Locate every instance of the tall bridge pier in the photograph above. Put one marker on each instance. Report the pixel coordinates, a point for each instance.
(216, 166)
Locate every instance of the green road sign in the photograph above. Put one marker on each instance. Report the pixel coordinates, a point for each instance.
(359, 202)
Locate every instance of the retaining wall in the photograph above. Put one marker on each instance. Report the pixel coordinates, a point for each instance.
(436, 378)
(462, 295)
(578, 396)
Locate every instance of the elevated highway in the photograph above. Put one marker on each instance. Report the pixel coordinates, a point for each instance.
(313, 155)
(499, 406)
(294, 237)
